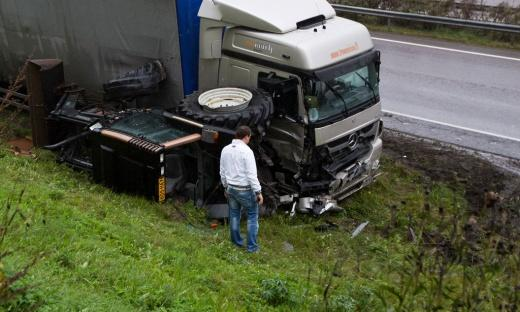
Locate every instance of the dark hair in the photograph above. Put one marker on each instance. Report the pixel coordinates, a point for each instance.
(242, 132)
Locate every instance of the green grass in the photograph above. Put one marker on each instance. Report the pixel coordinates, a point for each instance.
(115, 252)
(469, 36)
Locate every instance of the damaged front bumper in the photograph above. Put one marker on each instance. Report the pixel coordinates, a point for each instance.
(358, 175)
(346, 182)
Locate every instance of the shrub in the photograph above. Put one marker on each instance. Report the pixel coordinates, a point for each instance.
(275, 291)
(342, 303)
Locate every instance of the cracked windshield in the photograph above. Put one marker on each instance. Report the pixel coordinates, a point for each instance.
(342, 94)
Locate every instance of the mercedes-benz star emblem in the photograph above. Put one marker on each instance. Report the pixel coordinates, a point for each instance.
(352, 140)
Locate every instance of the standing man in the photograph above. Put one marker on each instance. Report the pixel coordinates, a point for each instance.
(242, 189)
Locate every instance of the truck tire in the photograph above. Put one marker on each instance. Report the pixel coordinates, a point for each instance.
(256, 115)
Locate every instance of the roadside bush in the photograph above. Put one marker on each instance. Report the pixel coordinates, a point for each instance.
(504, 13)
(467, 9)
(342, 303)
(6, 126)
(353, 297)
(275, 291)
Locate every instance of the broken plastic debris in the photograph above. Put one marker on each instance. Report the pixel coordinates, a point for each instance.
(359, 229)
(293, 210)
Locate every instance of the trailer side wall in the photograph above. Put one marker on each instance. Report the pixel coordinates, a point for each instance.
(96, 39)
(189, 24)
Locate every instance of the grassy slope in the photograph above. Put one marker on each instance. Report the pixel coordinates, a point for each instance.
(107, 251)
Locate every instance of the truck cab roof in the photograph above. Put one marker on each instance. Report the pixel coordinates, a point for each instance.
(265, 15)
(306, 49)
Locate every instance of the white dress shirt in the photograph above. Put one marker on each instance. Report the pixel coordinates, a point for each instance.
(238, 166)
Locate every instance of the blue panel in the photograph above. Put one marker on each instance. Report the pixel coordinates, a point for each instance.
(188, 23)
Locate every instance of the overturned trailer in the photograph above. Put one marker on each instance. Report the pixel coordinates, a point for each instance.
(98, 40)
(312, 80)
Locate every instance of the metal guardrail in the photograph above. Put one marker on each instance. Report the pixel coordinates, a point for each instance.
(428, 19)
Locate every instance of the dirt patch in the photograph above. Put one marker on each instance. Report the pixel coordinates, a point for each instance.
(21, 146)
(452, 166)
(492, 192)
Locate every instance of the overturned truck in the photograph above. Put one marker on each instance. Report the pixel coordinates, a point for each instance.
(304, 79)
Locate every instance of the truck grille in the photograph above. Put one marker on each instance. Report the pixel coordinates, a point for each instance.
(367, 132)
(347, 150)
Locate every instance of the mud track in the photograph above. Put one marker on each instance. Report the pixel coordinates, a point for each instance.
(492, 192)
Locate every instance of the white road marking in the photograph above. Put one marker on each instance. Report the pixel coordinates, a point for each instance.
(451, 50)
(453, 126)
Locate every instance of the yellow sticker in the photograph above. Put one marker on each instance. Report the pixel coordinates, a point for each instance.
(162, 189)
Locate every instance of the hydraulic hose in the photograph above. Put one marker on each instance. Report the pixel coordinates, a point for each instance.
(67, 141)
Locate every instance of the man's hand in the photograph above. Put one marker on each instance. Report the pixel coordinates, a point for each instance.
(226, 194)
(260, 199)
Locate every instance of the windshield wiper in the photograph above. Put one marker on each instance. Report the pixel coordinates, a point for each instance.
(336, 93)
(374, 98)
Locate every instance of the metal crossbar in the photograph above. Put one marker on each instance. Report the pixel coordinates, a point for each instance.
(428, 18)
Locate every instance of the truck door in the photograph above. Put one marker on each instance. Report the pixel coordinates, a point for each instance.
(286, 132)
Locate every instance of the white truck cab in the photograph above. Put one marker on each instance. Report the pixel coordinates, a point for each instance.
(323, 74)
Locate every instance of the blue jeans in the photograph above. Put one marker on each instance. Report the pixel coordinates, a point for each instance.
(237, 200)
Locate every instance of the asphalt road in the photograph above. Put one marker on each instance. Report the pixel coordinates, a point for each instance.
(459, 89)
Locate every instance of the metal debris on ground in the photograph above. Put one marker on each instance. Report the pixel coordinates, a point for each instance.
(359, 229)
